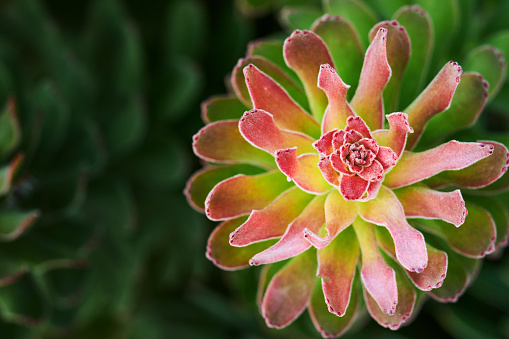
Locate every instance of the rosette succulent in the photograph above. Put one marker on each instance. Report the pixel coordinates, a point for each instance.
(321, 182)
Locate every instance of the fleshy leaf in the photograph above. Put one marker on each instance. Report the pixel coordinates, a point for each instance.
(445, 15)
(378, 278)
(290, 290)
(272, 50)
(22, 302)
(419, 201)
(339, 214)
(434, 99)
(298, 56)
(294, 89)
(10, 133)
(420, 31)
(7, 173)
(466, 106)
(292, 242)
(203, 181)
(222, 142)
(498, 211)
(490, 62)
(273, 220)
(460, 272)
(258, 127)
(222, 108)
(327, 323)
(267, 95)
(241, 194)
(345, 47)
(435, 272)
(303, 170)
(454, 155)
(338, 109)
(406, 301)
(395, 137)
(500, 41)
(475, 238)
(299, 17)
(480, 174)
(367, 101)
(14, 223)
(357, 12)
(387, 211)
(338, 275)
(398, 54)
(227, 257)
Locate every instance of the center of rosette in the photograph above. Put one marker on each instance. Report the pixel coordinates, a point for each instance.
(352, 160)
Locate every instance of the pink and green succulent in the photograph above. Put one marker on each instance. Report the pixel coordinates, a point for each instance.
(324, 187)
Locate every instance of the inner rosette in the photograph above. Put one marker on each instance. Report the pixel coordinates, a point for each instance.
(353, 161)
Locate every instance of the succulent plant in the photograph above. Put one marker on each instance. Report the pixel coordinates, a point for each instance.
(311, 177)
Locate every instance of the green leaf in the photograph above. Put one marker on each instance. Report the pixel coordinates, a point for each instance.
(272, 50)
(419, 28)
(186, 27)
(445, 15)
(14, 223)
(466, 106)
(345, 48)
(51, 122)
(501, 42)
(222, 108)
(299, 17)
(22, 302)
(491, 64)
(123, 125)
(475, 238)
(497, 207)
(178, 88)
(9, 129)
(327, 323)
(7, 174)
(200, 184)
(357, 12)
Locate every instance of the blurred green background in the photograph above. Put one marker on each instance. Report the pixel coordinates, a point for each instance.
(108, 97)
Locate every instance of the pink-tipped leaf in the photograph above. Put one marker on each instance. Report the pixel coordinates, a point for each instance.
(338, 275)
(419, 201)
(241, 194)
(378, 278)
(434, 99)
(268, 95)
(258, 128)
(222, 142)
(338, 109)
(367, 101)
(398, 55)
(289, 291)
(303, 170)
(395, 137)
(483, 173)
(406, 302)
(435, 272)
(409, 243)
(339, 214)
(292, 242)
(454, 155)
(273, 220)
(228, 257)
(344, 45)
(304, 52)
